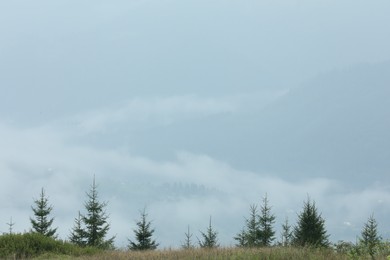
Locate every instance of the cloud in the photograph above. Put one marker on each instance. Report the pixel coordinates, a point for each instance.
(183, 190)
(163, 111)
(160, 111)
(179, 192)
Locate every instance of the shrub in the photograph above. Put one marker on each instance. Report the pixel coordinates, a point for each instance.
(30, 245)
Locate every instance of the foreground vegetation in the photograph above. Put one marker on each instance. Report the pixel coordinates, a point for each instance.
(31, 245)
(225, 253)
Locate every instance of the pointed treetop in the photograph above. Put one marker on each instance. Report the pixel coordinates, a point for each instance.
(41, 223)
(209, 237)
(143, 235)
(310, 230)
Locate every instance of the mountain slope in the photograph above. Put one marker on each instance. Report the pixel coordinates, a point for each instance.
(335, 125)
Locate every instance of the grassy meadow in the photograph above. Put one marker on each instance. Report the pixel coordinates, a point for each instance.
(220, 253)
(36, 246)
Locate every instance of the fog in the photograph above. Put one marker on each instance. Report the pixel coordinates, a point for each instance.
(195, 109)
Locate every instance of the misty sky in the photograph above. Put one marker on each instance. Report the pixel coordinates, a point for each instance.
(196, 109)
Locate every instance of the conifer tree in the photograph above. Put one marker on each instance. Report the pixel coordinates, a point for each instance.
(310, 230)
(143, 235)
(241, 238)
(187, 244)
(258, 230)
(287, 234)
(370, 238)
(11, 225)
(251, 233)
(41, 223)
(209, 238)
(95, 221)
(266, 222)
(77, 235)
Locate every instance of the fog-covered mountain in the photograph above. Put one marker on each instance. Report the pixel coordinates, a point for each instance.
(336, 125)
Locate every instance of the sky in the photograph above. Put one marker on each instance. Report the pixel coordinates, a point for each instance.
(195, 109)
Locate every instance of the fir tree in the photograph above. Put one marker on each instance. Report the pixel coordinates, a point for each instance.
(310, 230)
(287, 234)
(266, 222)
(78, 235)
(241, 238)
(95, 221)
(370, 238)
(41, 223)
(253, 228)
(258, 230)
(10, 226)
(143, 235)
(250, 235)
(209, 238)
(187, 244)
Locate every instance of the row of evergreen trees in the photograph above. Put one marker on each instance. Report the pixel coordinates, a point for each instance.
(91, 228)
(259, 228)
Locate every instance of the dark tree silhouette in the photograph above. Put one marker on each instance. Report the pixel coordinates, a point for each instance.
(95, 221)
(41, 223)
(143, 235)
(287, 234)
(78, 235)
(250, 234)
(209, 238)
(187, 244)
(370, 238)
(266, 222)
(258, 230)
(310, 230)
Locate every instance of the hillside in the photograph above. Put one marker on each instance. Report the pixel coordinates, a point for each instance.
(336, 125)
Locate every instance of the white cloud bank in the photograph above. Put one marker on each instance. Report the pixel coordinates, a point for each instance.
(163, 111)
(179, 192)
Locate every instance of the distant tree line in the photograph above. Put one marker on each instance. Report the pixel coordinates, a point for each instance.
(91, 228)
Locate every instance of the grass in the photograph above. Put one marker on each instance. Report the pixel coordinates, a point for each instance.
(29, 245)
(35, 246)
(222, 253)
